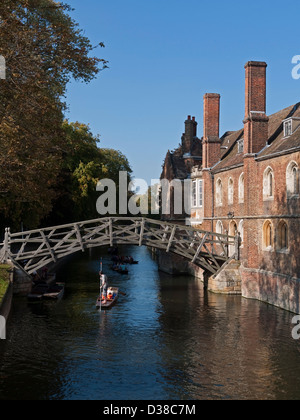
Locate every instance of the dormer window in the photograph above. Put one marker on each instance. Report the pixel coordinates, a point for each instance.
(288, 128)
(240, 146)
(290, 125)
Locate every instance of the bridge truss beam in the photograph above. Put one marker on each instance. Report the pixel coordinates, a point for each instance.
(35, 249)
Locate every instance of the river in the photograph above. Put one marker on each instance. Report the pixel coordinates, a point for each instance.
(165, 339)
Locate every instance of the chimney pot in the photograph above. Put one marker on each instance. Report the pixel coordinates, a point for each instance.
(211, 151)
(211, 115)
(256, 121)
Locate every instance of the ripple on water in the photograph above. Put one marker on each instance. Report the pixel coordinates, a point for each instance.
(166, 339)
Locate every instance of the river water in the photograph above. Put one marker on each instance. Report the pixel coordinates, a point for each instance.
(166, 339)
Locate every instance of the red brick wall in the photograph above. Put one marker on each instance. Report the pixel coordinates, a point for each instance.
(211, 115)
(211, 142)
(256, 210)
(255, 92)
(256, 121)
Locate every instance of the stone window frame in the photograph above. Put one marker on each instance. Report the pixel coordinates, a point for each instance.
(292, 180)
(283, 242)
(241, 231)
(230, 191)
(219, 227)
(242, 188)
(288, 127)
(197, 196)
(194, 194)
(219, 193)
(268, 236)
(268, 184)
(240, 144)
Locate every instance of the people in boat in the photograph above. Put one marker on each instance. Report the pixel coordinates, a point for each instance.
(123, 267)
(104, 285)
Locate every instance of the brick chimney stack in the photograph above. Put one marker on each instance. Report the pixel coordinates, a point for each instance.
(189, 135)
(211, 133)
(256, 120)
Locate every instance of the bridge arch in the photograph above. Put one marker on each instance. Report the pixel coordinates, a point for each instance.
(35, 249)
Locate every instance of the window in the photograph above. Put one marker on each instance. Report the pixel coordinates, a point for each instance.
(283, 241)
(241, 230)
(219, 227)
(241, 188)
(240, 146)
(197, 193)
(230, 191)
(267, 235)
(219, 193)
(287, 128)
(295, 180)
(194, 194)
(200, 193)
(268, 184)
(232, 232)
(292, 179)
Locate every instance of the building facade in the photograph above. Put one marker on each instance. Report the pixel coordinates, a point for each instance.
(178, 165)
(248, 182)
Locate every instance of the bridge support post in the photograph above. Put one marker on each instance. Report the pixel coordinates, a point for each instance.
(237, 244)
(6, 245)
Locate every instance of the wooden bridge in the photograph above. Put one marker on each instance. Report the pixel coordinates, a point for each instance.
(35, 249)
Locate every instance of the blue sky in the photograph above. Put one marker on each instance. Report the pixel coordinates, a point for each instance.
(164, 55)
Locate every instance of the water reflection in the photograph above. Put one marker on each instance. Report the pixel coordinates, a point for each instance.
(166, 339)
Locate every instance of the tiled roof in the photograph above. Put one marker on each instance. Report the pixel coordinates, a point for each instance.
(276, 142)
(177, 163)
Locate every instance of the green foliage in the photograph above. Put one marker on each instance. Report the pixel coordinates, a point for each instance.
(4, 279)
(83, 166)
(44, 49)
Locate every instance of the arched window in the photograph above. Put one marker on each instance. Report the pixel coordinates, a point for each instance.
(230, 191)
(232, 232)
(219, 193)
(241, 188)
(295, 180)
(219, 227)
(267, 235)
(292, 179)
(241, 230)
(268, 183)
(283, 235)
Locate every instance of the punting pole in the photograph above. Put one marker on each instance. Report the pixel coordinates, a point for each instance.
(101, 286)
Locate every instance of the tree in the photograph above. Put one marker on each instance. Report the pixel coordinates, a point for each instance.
(44, 48)
(84, 165)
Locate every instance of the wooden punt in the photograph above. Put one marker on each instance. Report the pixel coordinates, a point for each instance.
(55, 292)
(110, 301)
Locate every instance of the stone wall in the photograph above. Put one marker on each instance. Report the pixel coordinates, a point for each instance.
(228, 281)
(276, 289)
(22, 283)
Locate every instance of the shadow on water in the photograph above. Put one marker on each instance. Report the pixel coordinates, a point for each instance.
(166, 339)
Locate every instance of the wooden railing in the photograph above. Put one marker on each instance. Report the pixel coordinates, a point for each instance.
(35, 249)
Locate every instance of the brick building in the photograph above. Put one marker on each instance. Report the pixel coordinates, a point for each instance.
(178, 165)
(248, 181)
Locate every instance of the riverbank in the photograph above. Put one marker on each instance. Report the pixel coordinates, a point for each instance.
(6, 289)
(4, 280)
